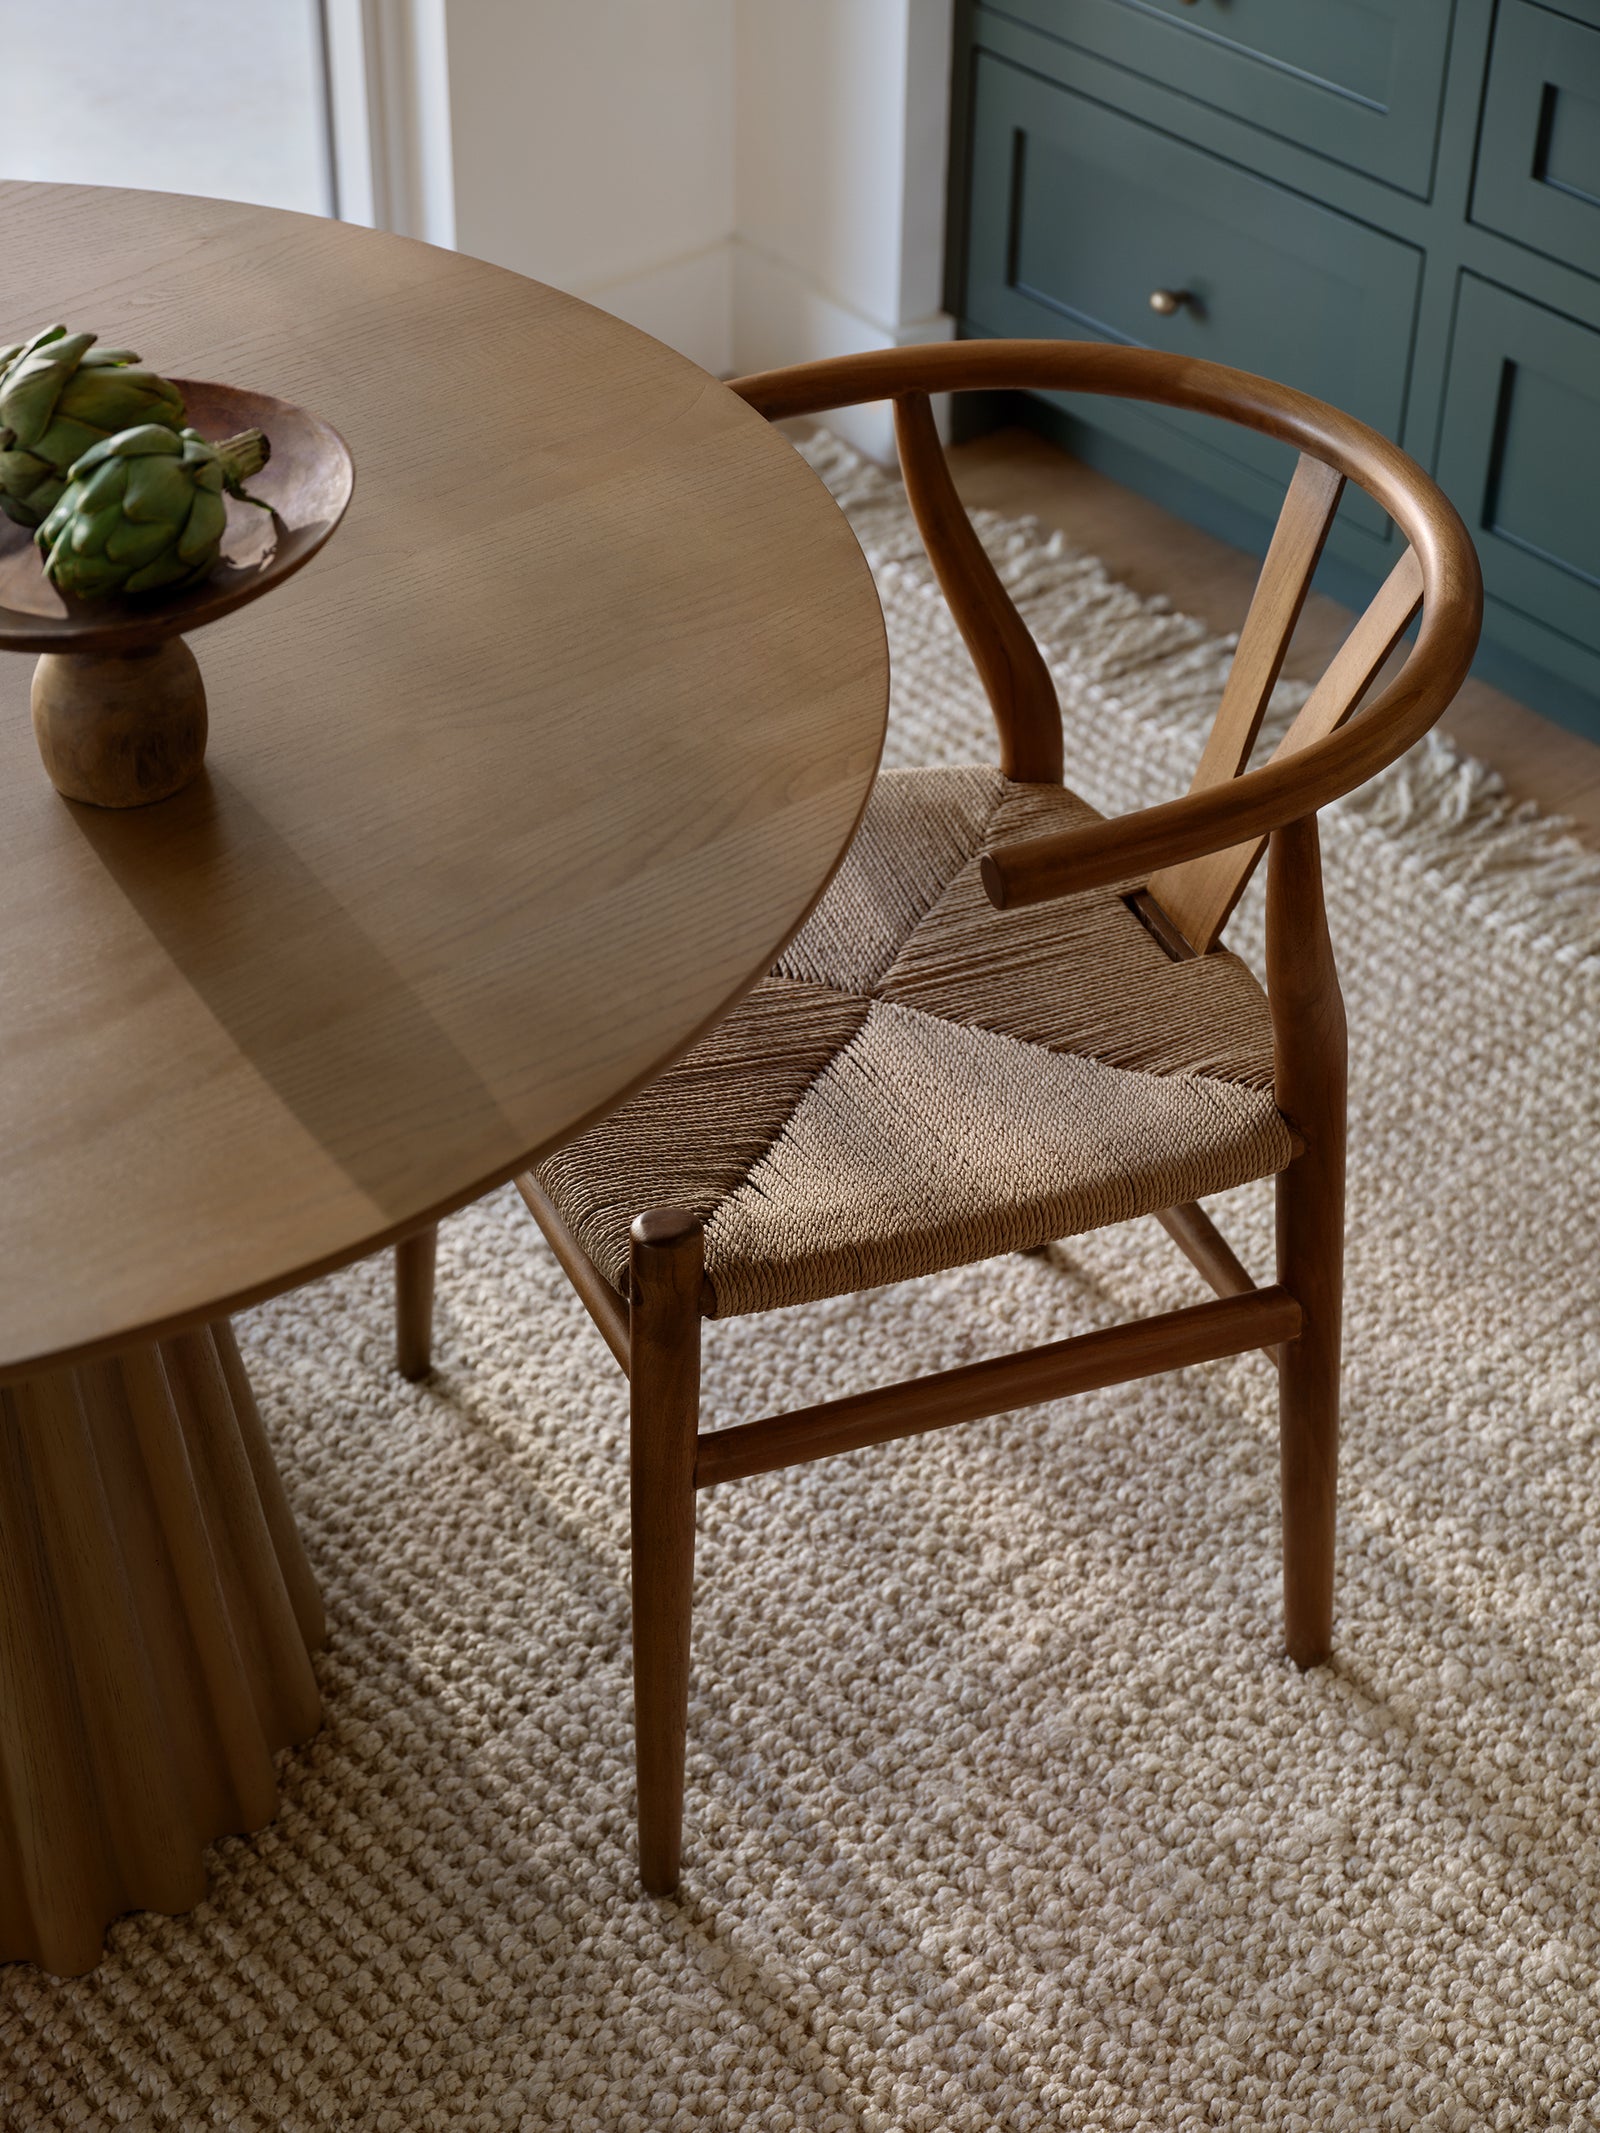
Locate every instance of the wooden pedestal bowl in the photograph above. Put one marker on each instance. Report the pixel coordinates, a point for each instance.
(119, 708)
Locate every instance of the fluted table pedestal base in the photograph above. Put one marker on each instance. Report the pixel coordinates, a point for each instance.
(157, 1617)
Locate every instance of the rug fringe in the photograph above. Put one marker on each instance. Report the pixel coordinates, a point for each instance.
(1519, 869)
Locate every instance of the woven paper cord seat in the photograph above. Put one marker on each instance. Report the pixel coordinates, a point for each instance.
(923, 1081)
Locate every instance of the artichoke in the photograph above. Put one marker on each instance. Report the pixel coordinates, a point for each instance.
(143, 511)
(59, 395)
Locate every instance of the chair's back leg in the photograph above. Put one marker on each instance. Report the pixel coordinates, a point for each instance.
(665, 1266)
(1308, 1028)
(414, 1259)
(1010, 665)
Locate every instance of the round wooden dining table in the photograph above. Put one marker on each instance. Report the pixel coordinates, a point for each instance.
(509, 796)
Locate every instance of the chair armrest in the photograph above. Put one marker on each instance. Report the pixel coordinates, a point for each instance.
(1214, 819)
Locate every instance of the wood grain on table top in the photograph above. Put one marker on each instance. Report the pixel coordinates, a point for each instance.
(508, 795)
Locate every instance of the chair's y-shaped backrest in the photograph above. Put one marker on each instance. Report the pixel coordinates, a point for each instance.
(1198, 852)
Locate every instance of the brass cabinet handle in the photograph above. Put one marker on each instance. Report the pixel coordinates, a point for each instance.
(1167, 301)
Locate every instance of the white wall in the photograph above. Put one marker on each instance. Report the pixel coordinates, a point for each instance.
(840, 139)
(592, 143)
(841, 135)
(755, 181)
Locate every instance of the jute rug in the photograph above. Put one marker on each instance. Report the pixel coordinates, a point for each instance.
(1004, 1808)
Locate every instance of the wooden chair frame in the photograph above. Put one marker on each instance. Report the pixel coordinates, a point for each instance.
(1196, 855)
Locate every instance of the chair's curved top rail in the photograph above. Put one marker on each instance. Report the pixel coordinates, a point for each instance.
(1293, 785)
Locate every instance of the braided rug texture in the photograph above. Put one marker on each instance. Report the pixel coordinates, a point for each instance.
(1005, 1809)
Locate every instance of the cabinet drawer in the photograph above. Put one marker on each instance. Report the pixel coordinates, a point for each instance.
(1538, 176)
(1079, 213)
(1520, 454)
(1357, 81)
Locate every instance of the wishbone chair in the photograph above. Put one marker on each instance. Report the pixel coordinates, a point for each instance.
(1011, 1020)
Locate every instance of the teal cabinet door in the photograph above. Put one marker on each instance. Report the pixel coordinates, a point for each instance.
(1080, 214)
(1538, 176)
(1520, 454)
(1357, 81)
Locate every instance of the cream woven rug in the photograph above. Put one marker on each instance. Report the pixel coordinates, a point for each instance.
(1004, 1808)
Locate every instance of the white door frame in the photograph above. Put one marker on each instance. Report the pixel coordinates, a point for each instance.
(386, 71)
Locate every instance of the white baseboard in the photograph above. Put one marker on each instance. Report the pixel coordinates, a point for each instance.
(688, 303)
(732, 309)
(779, 316)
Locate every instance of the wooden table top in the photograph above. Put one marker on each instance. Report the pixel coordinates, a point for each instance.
(509, 794)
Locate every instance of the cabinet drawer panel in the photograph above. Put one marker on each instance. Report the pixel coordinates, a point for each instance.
(1520, 453)
(1080, 213)
(1538, 177)
(1358, 81)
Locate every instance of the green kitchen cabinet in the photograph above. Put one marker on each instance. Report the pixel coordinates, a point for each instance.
(1394, 204)
(1538, 175)
(1520, 452)
(1265, 278)
(1357, 81)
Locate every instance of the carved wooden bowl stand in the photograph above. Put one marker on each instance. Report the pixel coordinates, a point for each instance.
(119, 708)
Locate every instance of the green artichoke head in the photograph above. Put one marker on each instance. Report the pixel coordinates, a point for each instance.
(59, 395)
(143, 511)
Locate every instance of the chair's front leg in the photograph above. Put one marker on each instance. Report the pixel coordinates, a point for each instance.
(414, 1259)
(665, 1265)
(1310, 1074)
